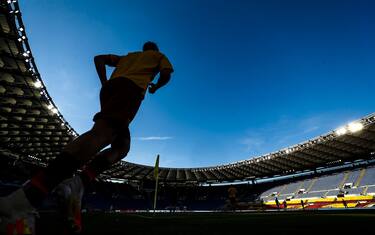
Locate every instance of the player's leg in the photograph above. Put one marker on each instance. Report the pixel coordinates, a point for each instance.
(101, 162)
(74, 188)
(90, 143)
(73, 215)
(106, 158)
(120, 101)
(72, 157)
(69, 196)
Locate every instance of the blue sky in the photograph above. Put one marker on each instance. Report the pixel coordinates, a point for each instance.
(250, 77)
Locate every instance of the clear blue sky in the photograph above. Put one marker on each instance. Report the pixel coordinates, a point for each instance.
(250, 77)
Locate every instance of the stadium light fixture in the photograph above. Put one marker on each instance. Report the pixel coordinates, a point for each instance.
(38, 84)
(20, 29)
(50, 106)
(54, 110)
(355, 127)
(341, 131)
(25, 54)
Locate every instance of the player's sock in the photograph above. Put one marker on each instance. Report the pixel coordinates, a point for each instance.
(94, 168)
(63, 167)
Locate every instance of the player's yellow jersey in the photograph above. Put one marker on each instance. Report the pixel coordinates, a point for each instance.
(141, 67)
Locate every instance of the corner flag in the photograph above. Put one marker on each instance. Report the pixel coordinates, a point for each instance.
(156, 170)
(156, 176)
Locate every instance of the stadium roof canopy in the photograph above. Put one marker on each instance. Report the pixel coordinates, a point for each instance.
(33, 130)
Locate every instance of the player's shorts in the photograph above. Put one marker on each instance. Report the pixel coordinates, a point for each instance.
(120, 99)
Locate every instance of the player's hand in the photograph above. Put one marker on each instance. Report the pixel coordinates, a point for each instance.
(152, 88)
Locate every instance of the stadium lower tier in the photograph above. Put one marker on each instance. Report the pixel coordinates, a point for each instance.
(353, 182)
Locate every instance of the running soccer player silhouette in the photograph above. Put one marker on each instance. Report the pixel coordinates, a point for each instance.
(120, 99)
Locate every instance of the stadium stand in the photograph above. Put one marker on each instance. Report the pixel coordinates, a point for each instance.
(368, 177)
(327, 182)
(348, 186)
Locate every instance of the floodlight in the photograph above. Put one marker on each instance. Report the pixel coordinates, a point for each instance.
(341, 131)
(38, 84)
(355, 126)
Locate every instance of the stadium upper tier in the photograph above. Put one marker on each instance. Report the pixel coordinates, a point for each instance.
(33, 130)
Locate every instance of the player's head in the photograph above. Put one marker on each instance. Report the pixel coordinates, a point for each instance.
(150, 46)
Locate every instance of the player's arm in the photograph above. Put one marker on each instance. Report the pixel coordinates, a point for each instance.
(101, 61)
(164, 77)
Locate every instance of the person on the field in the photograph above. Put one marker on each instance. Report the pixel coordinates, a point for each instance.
(277, 203)
(232, 195)
(345, 204)
(120, 99)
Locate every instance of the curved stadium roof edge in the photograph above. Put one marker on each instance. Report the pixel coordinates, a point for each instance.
(32, 128)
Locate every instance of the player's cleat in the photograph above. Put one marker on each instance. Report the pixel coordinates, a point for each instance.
(15, 205)
(74, 225)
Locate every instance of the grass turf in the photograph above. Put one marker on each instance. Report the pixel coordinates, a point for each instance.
(283, 222)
